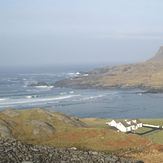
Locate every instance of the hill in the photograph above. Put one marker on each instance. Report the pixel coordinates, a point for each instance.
(36, 123)
(40, 126)
(46, 129)
(146, 75)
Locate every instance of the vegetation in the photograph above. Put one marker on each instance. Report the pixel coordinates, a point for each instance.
(38, 126)
(154, 135)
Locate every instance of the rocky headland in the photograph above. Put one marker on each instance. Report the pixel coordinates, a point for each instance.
(147, 75)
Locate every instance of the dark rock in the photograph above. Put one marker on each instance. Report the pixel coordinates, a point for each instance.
(14, 151)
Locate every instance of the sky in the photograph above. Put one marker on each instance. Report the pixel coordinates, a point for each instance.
(65, 32)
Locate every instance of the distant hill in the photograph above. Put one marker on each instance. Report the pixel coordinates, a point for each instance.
(159, 56)
(146, 75)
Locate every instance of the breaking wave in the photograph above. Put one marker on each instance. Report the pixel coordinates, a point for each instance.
(32, 99)
(2, 99)
(44, 87)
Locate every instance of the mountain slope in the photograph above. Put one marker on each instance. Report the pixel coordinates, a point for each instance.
(148, 74)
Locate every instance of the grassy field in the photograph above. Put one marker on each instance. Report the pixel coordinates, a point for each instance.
(155, 136)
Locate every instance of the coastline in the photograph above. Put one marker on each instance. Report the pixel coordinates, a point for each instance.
(144, 75)
(142, 88)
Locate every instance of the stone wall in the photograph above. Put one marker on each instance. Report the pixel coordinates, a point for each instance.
(14, 151)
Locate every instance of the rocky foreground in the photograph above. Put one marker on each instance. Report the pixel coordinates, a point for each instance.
(14, 151)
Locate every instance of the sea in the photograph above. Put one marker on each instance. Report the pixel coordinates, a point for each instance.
(19, 90)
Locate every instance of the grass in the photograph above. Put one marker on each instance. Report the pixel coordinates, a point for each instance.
(98, 139)
(155, 136)
(96, 135)
(95, 122)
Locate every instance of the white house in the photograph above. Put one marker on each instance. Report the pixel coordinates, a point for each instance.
(125, 125)
(137, 122)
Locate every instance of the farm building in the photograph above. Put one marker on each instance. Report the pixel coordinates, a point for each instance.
(125, 125)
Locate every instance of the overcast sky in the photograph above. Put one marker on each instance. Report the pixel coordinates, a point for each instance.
(42, 32)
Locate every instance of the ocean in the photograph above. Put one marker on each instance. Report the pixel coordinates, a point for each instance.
(19, 89)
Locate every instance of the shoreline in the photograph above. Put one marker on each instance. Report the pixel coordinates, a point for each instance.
(143, 89)
(52, 109)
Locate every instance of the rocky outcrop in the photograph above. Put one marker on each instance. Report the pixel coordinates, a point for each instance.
(5, 130)
(15, 151)
(42, 128)
(146, 75)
